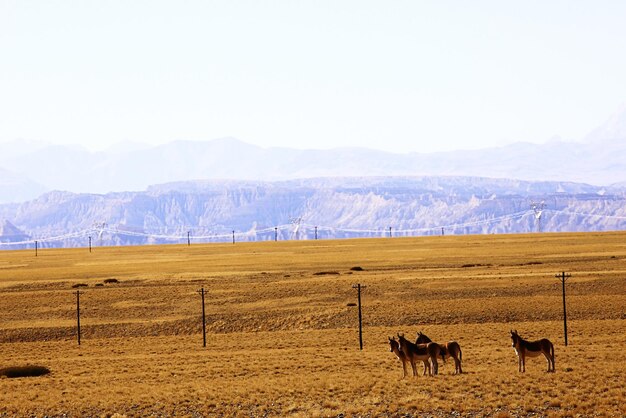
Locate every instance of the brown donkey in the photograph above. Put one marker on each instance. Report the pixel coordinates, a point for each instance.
(394, 347)
(421, 352)
(525, 349)
(447, 350)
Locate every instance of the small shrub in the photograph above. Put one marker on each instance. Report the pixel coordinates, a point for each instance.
(476, 265)
(357, 268)
(99, 284)
(77, 285)
(555, 403)
(322, 273)
(24, 371)
(111, 280)
(351, 304)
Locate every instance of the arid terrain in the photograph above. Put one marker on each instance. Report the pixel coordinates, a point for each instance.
(282, 327)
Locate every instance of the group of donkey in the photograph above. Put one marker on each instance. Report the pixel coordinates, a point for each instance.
(427, 351)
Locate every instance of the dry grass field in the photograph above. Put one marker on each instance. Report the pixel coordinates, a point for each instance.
(282, 334)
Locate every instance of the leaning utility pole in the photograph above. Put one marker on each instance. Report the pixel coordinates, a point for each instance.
(78, 293)
(563, 277)
(202, 293)
(358, 287)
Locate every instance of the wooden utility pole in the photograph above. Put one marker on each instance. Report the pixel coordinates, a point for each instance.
(188, 238)
(275, 233)
(358, 287)
(35, 248)
(389, 232)
(89, 243)
(563, 277)
(78, 292)
(233, 236)
(202, 292)
(316, 232)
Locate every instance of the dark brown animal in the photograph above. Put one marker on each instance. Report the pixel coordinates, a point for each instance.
(525, 349)
(394, 347)
(420, 352)
(447, 350)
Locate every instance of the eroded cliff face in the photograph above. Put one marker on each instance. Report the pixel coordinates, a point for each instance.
(10, 233)
(339, 208)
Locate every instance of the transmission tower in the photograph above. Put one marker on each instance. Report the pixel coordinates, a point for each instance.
(100, 227)
(538, 211)
(296, 227)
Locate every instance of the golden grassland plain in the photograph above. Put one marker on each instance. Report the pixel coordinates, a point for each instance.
(282, 331)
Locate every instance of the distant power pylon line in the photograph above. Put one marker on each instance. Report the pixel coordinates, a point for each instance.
(294, 229)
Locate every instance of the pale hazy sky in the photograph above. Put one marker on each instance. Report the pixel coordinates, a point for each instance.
(395, 75)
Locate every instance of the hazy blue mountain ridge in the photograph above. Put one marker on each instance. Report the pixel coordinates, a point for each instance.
(17, 188)
(339, 207)
(599, 159)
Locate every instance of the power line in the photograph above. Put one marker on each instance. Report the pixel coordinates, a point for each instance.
(596, 215)
(434, 228)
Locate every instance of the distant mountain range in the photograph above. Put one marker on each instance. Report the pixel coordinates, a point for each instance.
(219, 211)
(29, 168)
(226, 189)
